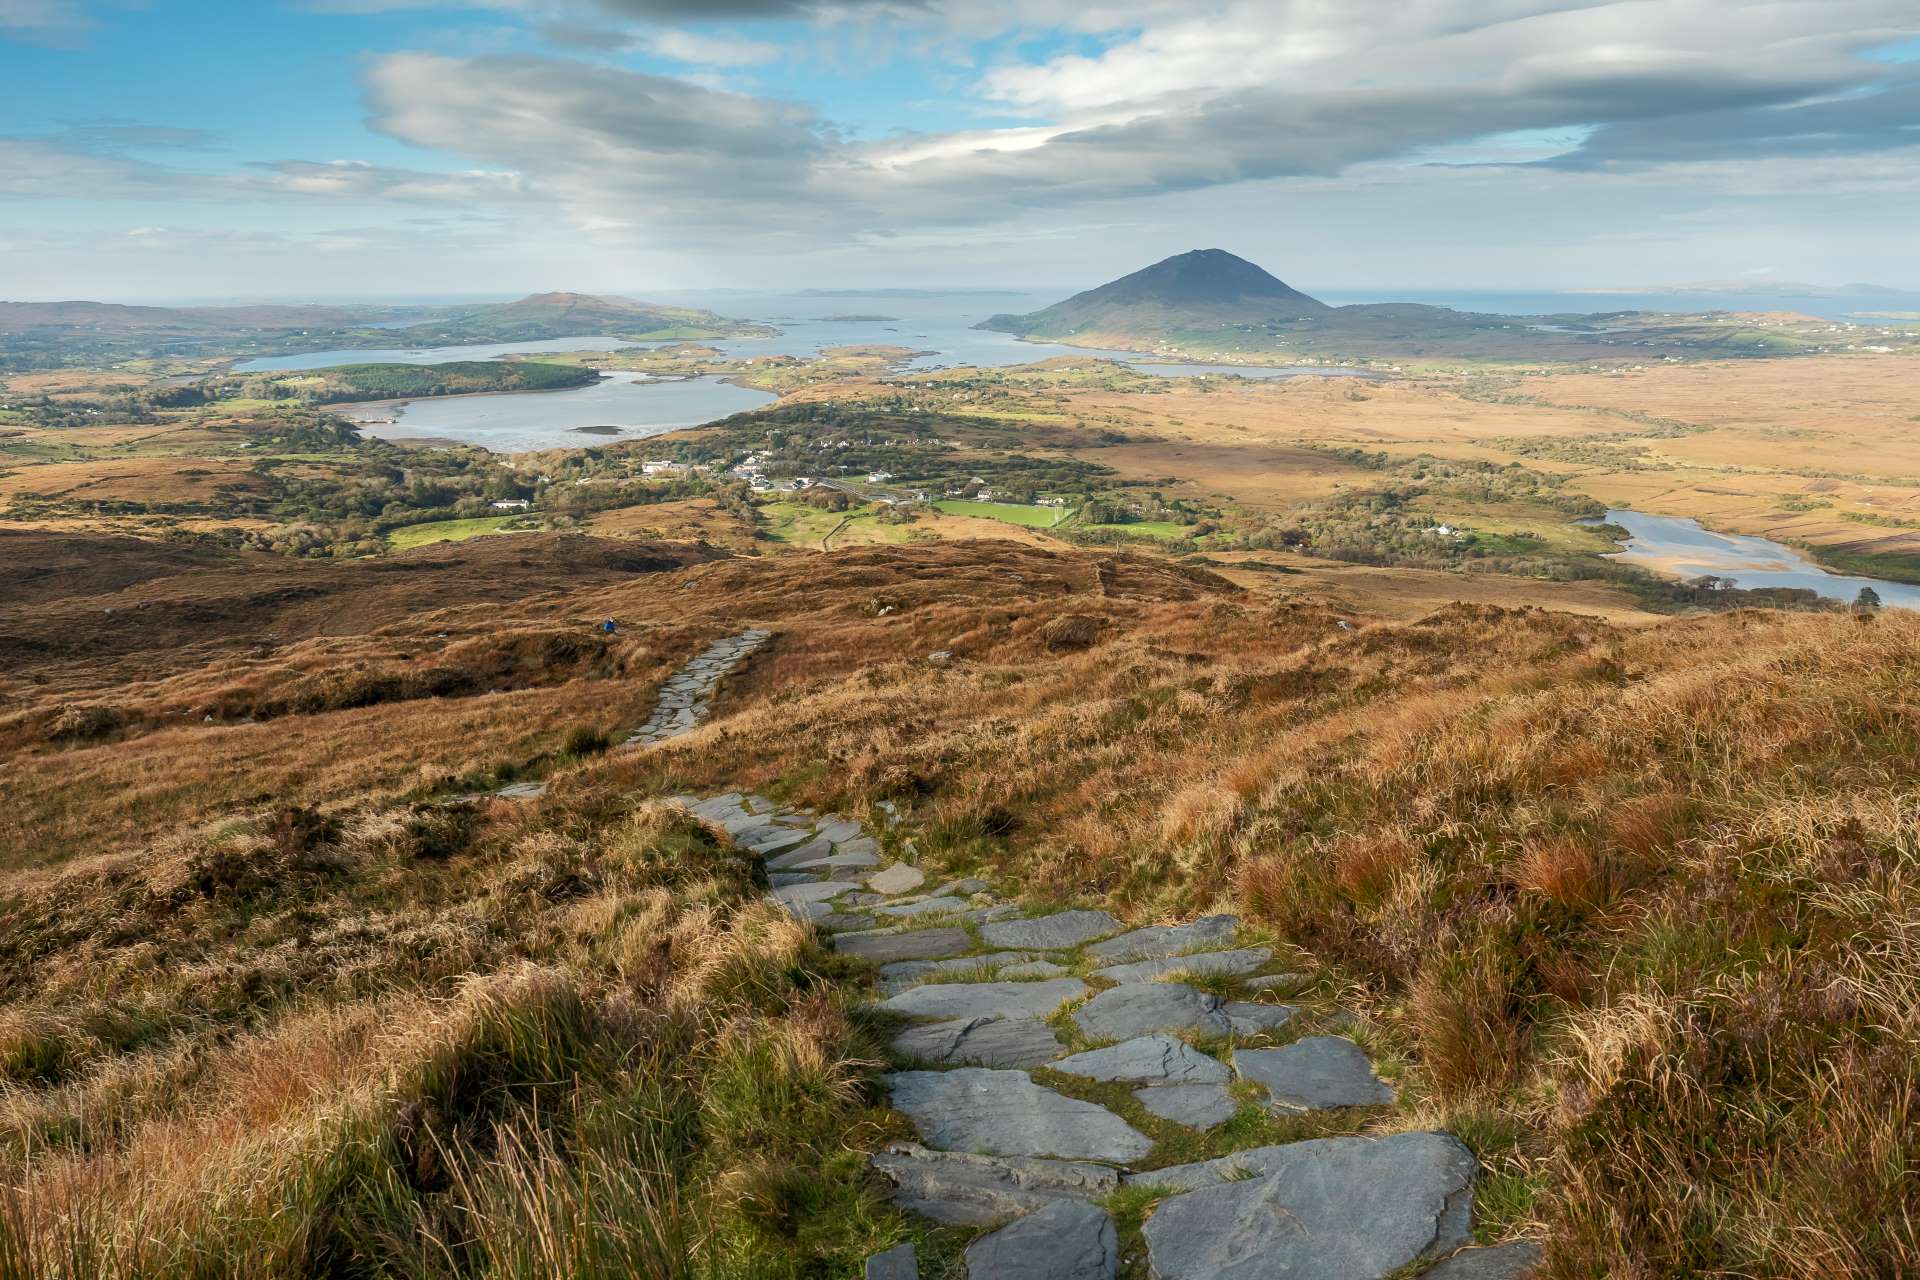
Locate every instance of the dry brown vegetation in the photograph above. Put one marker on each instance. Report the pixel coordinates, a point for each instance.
(1636, 904)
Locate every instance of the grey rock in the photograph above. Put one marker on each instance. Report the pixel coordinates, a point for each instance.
(1329, 1209)
(981, 1042)
(1066, 1240)
(839, 829)
(1167, 940)
(1279, 981)
(924, 907)
(898, 878)
(1314, 1073)
(901, 1262)
(902, 974)
(859, 844)
(781, 879)
(1243, 961)
(1515, 1260)
(1033, 969)
(1142, 1008)
(1198, 1106)
(808, 911)
(1005, 1113)
(811, 891)
(921, 944)
(985, 999)
(715, 807)
(818, 847)
(1248, 1018)
(958, 1188)
(836, 860)
(1050, 933)
(522, 791)
(963, 887)
(987, 915)
(1156, 1059)
(844, 921)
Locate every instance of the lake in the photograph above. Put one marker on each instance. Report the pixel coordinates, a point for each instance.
(520, 421)
(940, 325)
(1681, 548)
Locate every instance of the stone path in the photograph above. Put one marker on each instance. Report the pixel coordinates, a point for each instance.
(1050, 1056)
(688, 693)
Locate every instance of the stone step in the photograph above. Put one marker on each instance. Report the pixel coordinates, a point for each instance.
(963, 1189)
(1204, 962)
(1314, 1073)
(1155, 1059)
(1066, 1240)
(1166, 940)
(985, 999)
(1004, 1113)
(1050, 933)
(981, 1042)
(1138, 1009)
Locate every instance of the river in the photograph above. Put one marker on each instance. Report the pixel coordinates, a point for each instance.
(1681, 548)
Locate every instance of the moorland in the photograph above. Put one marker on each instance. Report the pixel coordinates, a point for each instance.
(1615, 874)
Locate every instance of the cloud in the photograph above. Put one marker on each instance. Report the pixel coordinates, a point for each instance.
(711, 51)
(646, 155)
(55, 22)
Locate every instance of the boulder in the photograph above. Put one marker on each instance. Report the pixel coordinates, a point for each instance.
(1242, 961)
(1005, 1113)
(1198, 1106)
(1066, 1240)
(1331, 1209)
(1050, 933)
(962, 1189)
(1071, 631)
(1155, 1059)
(1314, 1073)
(1167, 940)
(981, 1042)
(985, 999)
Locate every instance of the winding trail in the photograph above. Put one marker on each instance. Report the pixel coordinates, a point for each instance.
(1060, 1069)
(687, 695)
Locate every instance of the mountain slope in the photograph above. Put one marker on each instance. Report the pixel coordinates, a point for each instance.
(1199, 290)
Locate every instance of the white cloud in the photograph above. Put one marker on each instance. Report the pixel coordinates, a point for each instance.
(711, 51)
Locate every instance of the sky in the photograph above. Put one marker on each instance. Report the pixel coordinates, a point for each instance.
(181, 150)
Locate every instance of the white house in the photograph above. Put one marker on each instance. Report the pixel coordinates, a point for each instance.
(511, 504)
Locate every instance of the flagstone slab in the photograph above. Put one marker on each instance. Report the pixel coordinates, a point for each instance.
(985, 999)
(1231, 962)
(811, 891)
(1005, 1113)
(1515, 1260)
(1154, 1059)
(960, 1188)
(1142, 1008)
(1329, 1209)
(1167, 940)
(981, 1042)
(924, 907)
(1314, 1073)
(1050, 933)
(1066, 1240)
(1198, 1106)
(898, 878)
(919, 944)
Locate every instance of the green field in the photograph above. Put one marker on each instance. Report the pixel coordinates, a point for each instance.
(1032, 517)
(1144, 529)
(419, 535)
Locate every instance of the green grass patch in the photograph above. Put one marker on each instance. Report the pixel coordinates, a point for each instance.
(419, 535)
(1011, 513)
(1165, 530)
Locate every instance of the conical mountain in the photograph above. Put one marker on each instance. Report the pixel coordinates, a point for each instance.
(1203, 290)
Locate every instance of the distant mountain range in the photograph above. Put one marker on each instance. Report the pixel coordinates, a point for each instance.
(37, 335)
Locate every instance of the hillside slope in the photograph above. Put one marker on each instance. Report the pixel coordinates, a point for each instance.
(1630, 909)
